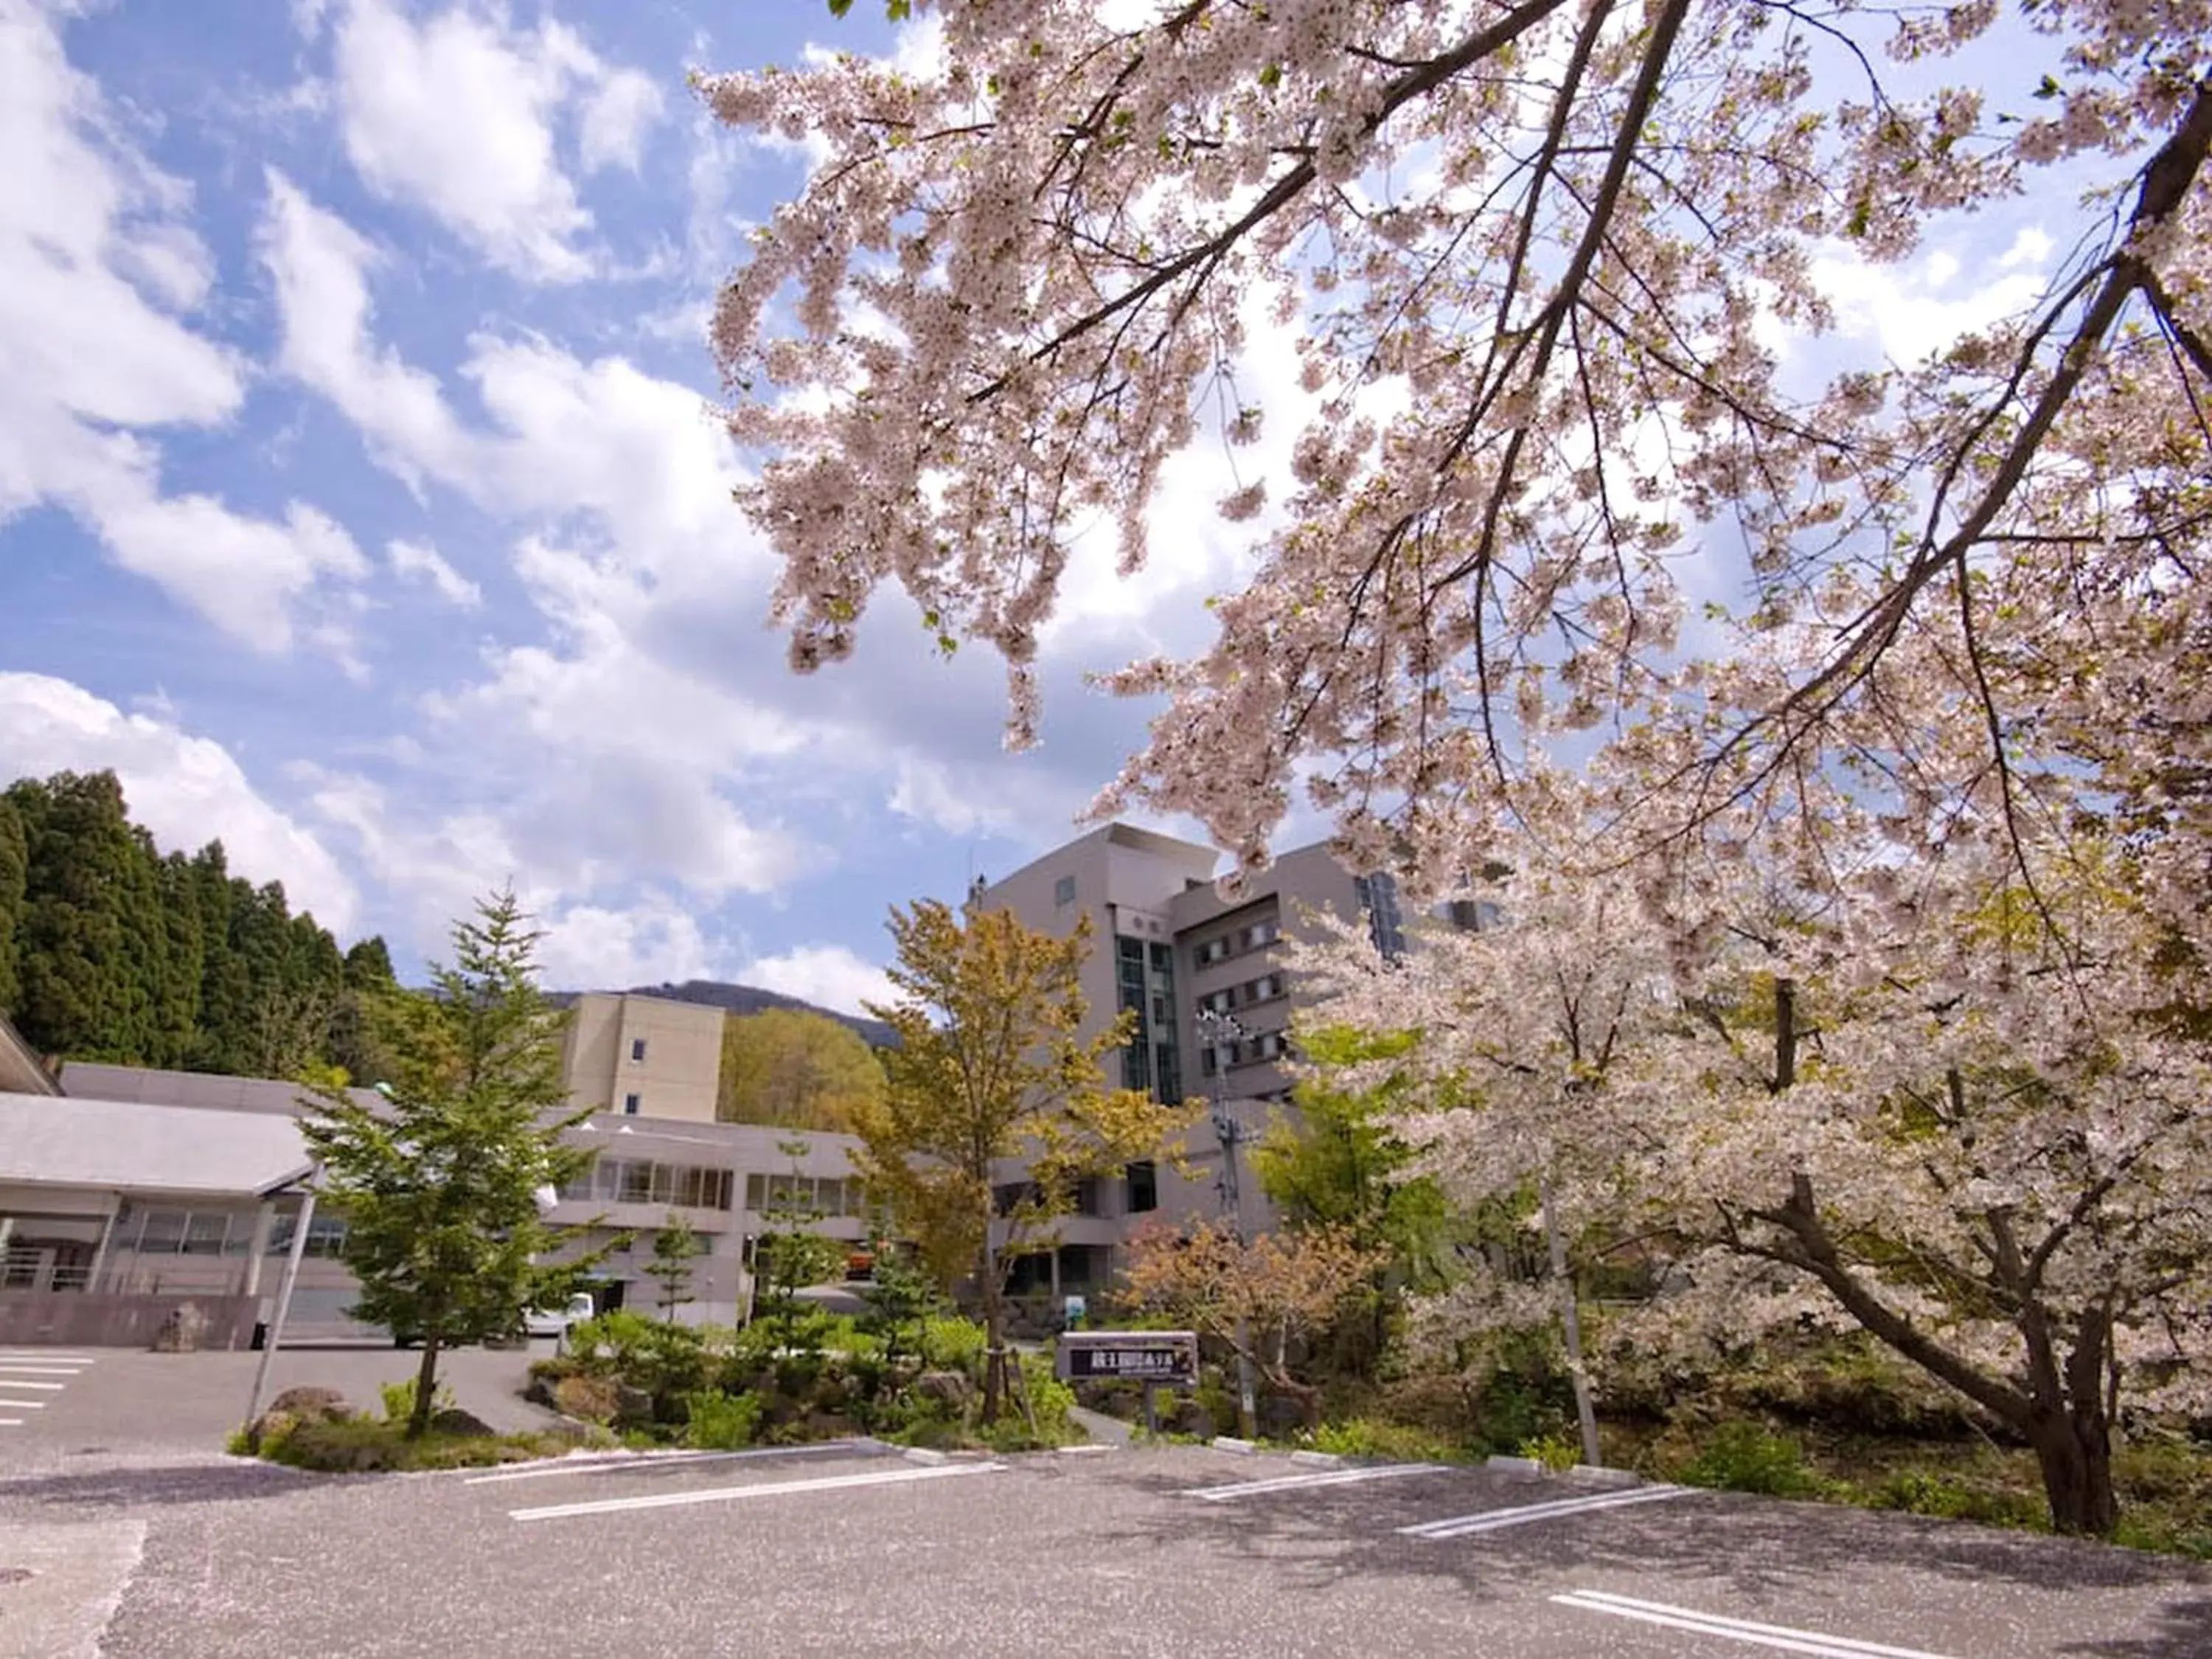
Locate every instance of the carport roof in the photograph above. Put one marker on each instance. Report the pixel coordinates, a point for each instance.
(126, 1146)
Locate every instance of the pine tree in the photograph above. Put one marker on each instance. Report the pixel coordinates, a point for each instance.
(14, 858)
(356, 1040)
(75, 965)
(176, 1006)
(222, 991)
(439, 1186)
(675, 1247)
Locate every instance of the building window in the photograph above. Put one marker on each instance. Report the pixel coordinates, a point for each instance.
(1214, 950)
(1379, 899)
(1063, 891)
(1144, 1179)
(204, 1233)
(631, 1103)
(637, 1048)
(1261, 933)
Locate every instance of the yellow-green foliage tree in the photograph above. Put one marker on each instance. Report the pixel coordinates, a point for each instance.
(993, 1065)
(794, 1070)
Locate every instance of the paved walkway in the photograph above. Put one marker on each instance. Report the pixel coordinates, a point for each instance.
(1106, 1431)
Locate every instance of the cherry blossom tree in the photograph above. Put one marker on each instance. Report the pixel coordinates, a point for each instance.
(1956, 1103)
(1548, 272)
(1260, 1296)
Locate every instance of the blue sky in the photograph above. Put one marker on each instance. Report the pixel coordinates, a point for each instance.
(359, 501)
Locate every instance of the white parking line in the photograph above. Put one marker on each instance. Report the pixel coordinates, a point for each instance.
(1327, 1478)
(1736, 1629)
(11, 1422)
(38, 1368)
(46, 1357)
(25, 1383)
(774, 1488)
(22, 1404)
(634, 1462)
(1459, 1526)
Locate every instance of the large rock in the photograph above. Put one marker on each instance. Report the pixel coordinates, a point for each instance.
(949, 1390)
(1192, 1419)
(540, 1393)
(183, 1331)
(632, 1407)
(592, 1399)
(454, 1420)
(312, 1405)
(266, 1430)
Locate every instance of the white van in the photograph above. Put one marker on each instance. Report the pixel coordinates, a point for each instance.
(555, 1322)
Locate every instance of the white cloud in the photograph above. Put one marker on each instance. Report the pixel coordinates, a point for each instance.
(246, 575)
(98, 273)
(1914, 311)
(829, 975)
(187, 791)
(617, 120)
(320, 266)
(418, 561)
(458, 114)
(589, 947)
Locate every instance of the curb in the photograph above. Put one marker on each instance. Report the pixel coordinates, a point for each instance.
(1230, 1444)
(1317, 1460)
(1593, 1474)
(1516, 1466)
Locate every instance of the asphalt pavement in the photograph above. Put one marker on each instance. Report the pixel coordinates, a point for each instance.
(858, 1549)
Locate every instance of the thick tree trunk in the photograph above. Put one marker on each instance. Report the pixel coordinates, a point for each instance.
(426, 1390)
(2075, 1450)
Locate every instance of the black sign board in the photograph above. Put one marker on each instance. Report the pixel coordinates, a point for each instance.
(1164, 1358)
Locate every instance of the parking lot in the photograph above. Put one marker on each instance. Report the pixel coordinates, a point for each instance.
(68, 1407)
(858, 1548)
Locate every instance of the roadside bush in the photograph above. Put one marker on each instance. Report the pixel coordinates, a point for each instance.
(364, 1445)
(666, 1361)
(1049, 1402)
(949, 1343)
(721, 1422)
(1742, 1456)
(399, 1399)
(1376, 1436)
(1553, 1451)
(1956, 1498)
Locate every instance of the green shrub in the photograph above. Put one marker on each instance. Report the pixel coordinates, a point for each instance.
(1375, 1437)
(1956, 1498)
(1742, 1456)
(949, 1343)
(721, 1422)
(1553, 1451)
(399, 1399)
(364, 1445)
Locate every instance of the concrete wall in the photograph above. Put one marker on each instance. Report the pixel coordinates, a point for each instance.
(679, 1071)
(65, 1319)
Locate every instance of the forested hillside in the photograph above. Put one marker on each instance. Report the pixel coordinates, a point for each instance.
(111, 949)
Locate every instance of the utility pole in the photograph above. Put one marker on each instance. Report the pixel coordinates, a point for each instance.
(1221, 1031)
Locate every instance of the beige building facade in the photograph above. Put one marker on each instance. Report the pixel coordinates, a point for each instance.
(640, 1056)
(1203, 974)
